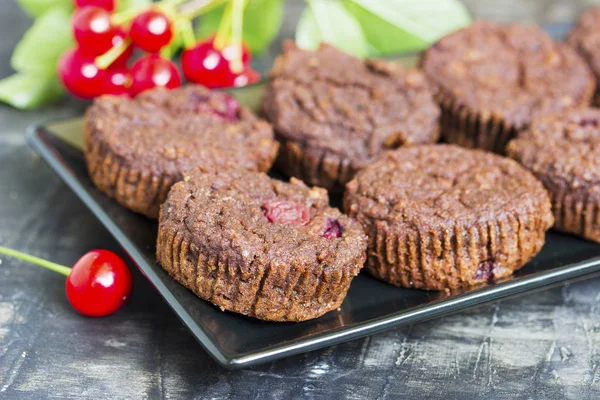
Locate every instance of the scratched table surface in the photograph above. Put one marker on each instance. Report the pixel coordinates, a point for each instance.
(545, 345)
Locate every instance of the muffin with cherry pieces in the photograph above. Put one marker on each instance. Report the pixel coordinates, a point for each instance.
(443, 217)
(136, 149)
(258, 246)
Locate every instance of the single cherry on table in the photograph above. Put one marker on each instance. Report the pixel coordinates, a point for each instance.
(98, 284)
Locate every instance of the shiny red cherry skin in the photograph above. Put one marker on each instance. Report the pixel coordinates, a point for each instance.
(206, 65)
(117, 80)
(108, 5)
(99, 283)
(247, 77)
(151, 31)
(153, 70)
(93, 30)
(80, 76)
(230, 53)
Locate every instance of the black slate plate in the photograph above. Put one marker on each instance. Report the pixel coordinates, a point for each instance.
(370, 307)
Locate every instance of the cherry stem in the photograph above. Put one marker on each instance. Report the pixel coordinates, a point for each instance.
(61, 269)
(105, 60)
(194, 8)
(126, 15)
(224, 27)
(237, 21)
(186, 30)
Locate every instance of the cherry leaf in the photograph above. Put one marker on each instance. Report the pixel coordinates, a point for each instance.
(26, 91)
(394, 26)
(35, 8)
(330, 22)
(38, 50)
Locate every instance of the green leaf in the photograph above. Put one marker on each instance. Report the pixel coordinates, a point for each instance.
(26, 90)
(328, 21)
(123, 5)
(209, 23)
(262, 20)
(43, 44)
(307, 31)
(394, 26)
(35, 8)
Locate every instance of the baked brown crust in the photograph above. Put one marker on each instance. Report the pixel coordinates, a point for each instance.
(215, 238)
(335, 113)
(585, 39)
(135, 150)
(444, 217)
(563, 152)
(491, 79)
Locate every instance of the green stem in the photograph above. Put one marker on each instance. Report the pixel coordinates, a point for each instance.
(187, 33)
(124, 16)
(105, 60)
(224, 27)
(237, 21)
(196, 8)
(61, 269)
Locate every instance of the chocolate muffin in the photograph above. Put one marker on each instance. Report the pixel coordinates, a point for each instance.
(136, 149)
(259, 246)
(334, 113)
(492, 79)
(563, 152)
(442, 217)
(585, 38)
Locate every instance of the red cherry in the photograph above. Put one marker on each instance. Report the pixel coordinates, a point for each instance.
(117, 80)
(203, 64)
(93, 30)
(99, 283)
(248, 77)
(80, 75)
(151, 71)
(108, 5)
(208, 66)
(151, 31)
(230, 53)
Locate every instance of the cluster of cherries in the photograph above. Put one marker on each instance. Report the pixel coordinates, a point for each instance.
(150, 31)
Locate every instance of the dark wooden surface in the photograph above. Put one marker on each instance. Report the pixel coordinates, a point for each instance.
(545, 345)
